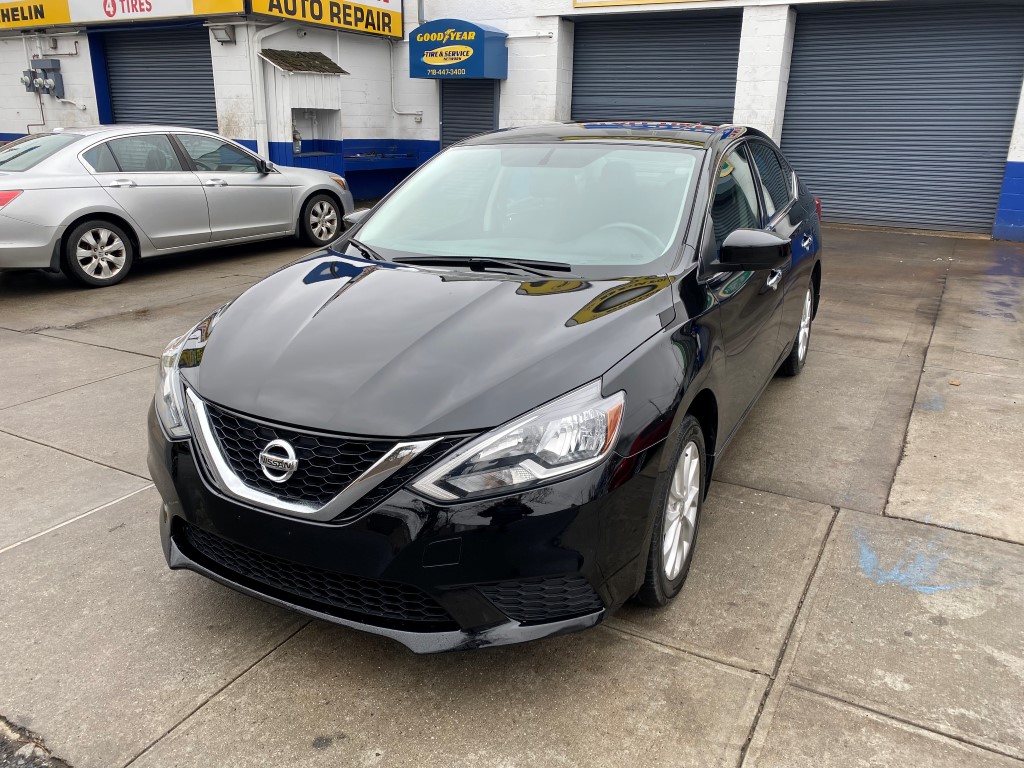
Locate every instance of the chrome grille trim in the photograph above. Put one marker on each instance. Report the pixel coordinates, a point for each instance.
(230, 484)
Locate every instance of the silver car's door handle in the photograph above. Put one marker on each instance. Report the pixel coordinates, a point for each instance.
(774, 279)
(215, 183)
(122, 183)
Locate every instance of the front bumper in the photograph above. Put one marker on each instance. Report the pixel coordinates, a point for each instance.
(436, 578)
(26, 246)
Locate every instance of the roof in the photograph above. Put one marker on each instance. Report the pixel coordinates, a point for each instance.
(648, 132)
(302, 61)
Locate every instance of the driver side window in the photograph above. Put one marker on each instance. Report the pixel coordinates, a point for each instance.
(211, 154)
(735, 203)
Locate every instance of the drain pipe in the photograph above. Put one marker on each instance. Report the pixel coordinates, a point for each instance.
(259, 90)
(417, 114)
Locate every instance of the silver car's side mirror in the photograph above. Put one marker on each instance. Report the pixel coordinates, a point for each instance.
(355, 217)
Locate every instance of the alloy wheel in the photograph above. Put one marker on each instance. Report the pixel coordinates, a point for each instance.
(680, 524)
(805, 325)
(101, 253)
(323, 220)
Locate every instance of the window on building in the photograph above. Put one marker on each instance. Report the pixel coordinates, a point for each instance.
(210, 154)
(149, 153)
(735, 205)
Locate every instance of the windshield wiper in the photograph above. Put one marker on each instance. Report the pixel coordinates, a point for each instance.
(480, 263)
(366, 250)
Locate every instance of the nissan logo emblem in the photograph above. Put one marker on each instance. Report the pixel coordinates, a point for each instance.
(278, 461)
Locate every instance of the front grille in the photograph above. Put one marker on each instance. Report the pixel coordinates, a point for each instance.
(355, 597)
(327, 464)
(544, 599)
(404, 475)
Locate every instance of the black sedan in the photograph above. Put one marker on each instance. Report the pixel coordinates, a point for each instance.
(490, 412)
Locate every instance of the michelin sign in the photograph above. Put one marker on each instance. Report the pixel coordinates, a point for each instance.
(451, 49)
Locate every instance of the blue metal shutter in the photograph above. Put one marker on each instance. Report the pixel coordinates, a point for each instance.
(468, 107)
(162, 76)
(656, 67)
(901, 116)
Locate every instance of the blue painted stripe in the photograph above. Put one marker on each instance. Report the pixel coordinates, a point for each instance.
(1009, 223)
(100, 77)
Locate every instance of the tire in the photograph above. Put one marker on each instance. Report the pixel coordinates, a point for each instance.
(680, 496)
(320, 223)
(97, 254)
(794, 363)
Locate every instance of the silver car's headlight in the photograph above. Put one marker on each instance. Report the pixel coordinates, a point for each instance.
(186, 351)
(569, 434)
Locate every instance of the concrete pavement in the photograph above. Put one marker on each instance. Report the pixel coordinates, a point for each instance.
(855, 598)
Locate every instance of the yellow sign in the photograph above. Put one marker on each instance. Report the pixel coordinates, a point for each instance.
(374, 17)
(49, 13)
(449, 54)
(593, 3)
(34, 14)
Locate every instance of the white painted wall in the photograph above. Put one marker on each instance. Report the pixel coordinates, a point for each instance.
(762, 76)
(233, 86)
(1017, 139)
(20, 109)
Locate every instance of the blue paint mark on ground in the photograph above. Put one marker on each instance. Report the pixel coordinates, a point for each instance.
(933, 403)
(914, 569)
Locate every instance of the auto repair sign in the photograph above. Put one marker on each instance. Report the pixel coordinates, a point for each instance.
(372, 17)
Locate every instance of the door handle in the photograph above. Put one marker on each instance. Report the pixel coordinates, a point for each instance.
(215, 183)
(774, 279)
(807, 242)
(123, 183)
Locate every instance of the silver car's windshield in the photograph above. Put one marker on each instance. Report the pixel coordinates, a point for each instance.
(24, 153)
(591, 205)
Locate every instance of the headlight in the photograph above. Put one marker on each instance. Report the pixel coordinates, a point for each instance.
(567, 435)
(184, 352)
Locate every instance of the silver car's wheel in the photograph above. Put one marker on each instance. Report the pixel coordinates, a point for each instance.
(97, 253)
(101, 253)
(680, 524)
(321, 220)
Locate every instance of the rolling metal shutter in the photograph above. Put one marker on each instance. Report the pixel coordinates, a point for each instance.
(658, 67)
(902, 116)
(161, 76)
(468, 107)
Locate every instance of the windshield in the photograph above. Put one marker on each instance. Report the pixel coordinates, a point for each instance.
(606, 208)
(24, 153)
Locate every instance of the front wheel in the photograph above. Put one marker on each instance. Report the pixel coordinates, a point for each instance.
(321, 220)
(97, 254)
(793, 364)
(675, 531)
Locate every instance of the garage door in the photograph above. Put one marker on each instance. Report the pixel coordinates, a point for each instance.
(161, 76)
(658, 67)
(468, 107)
(903, 116)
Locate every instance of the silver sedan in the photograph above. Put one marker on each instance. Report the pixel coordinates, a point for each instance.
(90, 201)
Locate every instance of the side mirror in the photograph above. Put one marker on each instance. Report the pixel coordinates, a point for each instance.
(753, 249)
(266, 166)
(355, 217)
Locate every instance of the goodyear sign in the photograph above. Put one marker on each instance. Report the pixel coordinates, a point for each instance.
(49, 13)
(373, 17)
(448, 49)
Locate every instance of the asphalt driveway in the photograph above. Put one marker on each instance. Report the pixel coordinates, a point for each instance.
(856, 598)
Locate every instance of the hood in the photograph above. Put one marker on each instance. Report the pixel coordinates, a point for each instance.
(370, 348)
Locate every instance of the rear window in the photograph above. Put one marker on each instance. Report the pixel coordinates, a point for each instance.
(28, 152)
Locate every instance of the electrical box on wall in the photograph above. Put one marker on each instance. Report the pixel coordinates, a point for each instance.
(44, 77)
